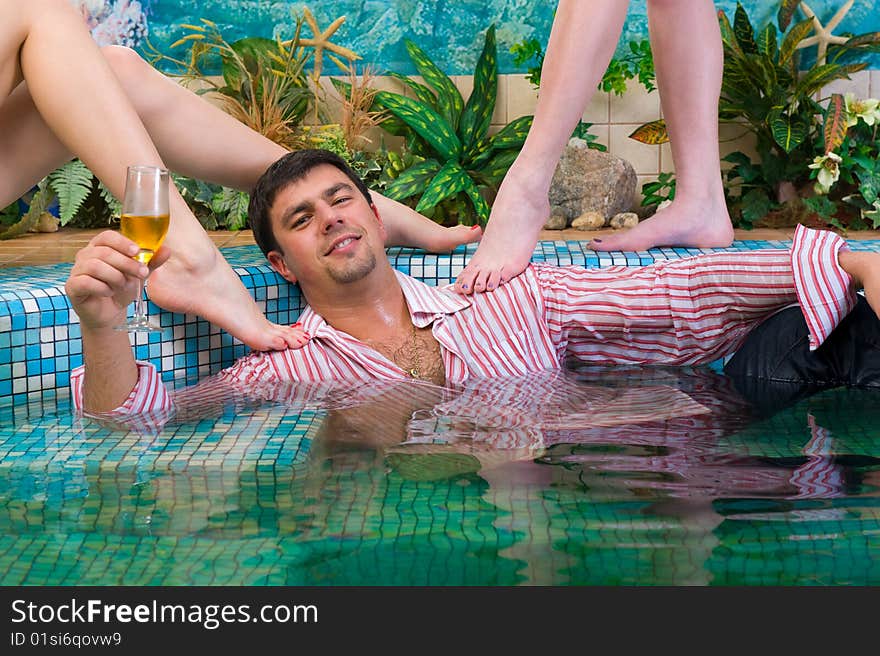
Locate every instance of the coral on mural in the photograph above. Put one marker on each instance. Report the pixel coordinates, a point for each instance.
(122, 23)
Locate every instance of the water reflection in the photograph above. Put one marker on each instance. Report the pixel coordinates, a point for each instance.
(589, 476)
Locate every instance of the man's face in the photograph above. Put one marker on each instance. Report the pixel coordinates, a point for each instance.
(327, 232)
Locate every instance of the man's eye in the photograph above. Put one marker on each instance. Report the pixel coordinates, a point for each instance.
(300, 220)
(341, 199)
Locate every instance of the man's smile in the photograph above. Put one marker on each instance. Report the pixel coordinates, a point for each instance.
(343, 244)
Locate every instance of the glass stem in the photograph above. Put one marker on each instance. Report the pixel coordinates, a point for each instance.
(140, 302)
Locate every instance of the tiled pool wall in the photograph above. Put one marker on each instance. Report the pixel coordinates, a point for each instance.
(40, 342)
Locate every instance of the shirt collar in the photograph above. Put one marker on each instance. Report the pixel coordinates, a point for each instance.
(426, 304)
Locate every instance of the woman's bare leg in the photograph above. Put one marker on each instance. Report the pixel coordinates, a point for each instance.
(689, 80)
(199, 140)
(79, 98)
(582, 42)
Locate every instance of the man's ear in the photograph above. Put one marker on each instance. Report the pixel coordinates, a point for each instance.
(276, 261)
(378, 218)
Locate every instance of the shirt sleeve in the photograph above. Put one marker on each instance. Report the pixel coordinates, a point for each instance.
(149, 394)
(693, 310)
(825, 291)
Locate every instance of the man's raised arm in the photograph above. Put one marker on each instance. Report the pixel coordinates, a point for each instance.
(102, 283)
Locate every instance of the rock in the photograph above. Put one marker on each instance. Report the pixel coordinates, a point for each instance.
(591, 180)
(47, 223)
(624, 220)
(557, 220)
(589, 221)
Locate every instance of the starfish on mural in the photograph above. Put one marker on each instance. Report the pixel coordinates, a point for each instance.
(321, 41)
(823, 36)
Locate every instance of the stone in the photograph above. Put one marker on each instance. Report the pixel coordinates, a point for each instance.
(624, 220)
(47, 223)
(557, 220)
(589, 180)
(589, 221)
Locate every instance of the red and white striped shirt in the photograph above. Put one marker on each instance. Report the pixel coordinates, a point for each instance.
(681, 312)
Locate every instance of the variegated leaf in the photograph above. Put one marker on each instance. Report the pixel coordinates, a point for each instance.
(791, 40)
(818, 76)
(424, 121)
(477, 114)
(412, 181)
(871, 40)
(422, 92)
(514, 134)
(449, 180)
(786, 12)
(653, 133)
(479, 203)
(496, 168)
(449, 101)
(787, 132)
(767, 44)
(727, 35)
(743, 31)
(835, 123)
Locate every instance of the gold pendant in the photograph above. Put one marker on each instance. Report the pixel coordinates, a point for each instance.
(414, 373)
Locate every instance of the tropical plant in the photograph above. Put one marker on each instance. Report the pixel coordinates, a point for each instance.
(458, 157)
(764, 89)
(263, 85)
(659, 190)
(847, 172)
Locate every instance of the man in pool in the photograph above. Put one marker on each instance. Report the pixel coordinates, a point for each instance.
(314, 220)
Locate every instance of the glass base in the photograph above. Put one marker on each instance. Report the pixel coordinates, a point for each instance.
(140, 325)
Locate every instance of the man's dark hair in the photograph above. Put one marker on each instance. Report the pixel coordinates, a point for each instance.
(290, 168)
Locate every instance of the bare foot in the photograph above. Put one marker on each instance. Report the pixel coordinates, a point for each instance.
(511, 234)
(208, 287)
(683, 223)
(449, 238)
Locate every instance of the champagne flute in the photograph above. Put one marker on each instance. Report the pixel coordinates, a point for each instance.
(145, 219)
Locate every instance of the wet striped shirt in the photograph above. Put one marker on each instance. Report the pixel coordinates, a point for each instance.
(681, 312)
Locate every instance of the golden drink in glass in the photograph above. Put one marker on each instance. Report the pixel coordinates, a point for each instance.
(145, 219)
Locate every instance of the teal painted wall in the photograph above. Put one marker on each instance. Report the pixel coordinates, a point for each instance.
(451, 31)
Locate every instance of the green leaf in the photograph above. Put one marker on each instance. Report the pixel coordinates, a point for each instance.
(869, 41)
(755, 206)
(872, 215)
(821, 205)
(767, 42)
(496, 167)
(786, 12)
(73, 184)
(477, 114)
(231, 206)
(450, 180)
(423, 93)
(449, 101)
(413, 180)
(789, 132)
(834, 129)
(818, 76)
(728, 38)
(479, 203)
(424, 121)
(869, 185)
(789, 44)
(252, 52)
(40, 202)
(514, 134)
(114, 205)
(743, 30)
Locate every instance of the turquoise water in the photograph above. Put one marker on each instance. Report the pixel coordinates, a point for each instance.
(647, 477)
(451, 32)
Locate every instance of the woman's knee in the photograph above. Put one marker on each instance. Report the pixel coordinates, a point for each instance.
(125, 62)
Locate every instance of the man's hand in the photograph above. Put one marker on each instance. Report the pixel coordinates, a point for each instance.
(104, 279)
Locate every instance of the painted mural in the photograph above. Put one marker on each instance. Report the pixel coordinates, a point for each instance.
(451, 31)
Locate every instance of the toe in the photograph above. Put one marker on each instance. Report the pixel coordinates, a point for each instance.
(493, 281)
(465, 282)
(480, 281)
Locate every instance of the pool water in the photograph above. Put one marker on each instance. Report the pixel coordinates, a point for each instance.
(582, 477)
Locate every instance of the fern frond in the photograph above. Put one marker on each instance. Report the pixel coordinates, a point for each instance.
(72, 183)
